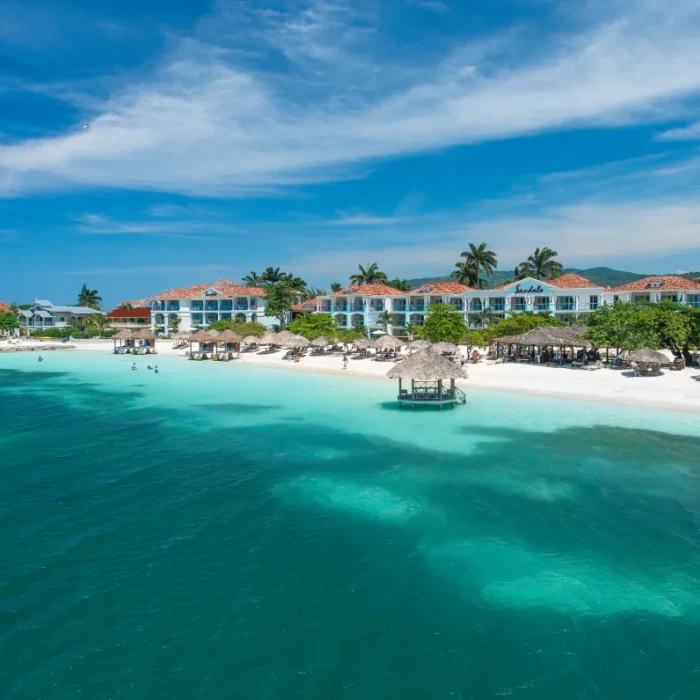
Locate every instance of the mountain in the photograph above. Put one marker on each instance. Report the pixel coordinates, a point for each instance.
(604, 276)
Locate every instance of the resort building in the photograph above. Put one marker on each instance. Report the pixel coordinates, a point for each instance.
(567, 297)
(43, 314)
(131, 319)
(4, 308)
(191, 308)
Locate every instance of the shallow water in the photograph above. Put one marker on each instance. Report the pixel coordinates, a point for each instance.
(222, 531)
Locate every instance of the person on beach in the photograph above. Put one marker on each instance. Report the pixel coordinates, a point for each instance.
(345, 361)
(462, 361)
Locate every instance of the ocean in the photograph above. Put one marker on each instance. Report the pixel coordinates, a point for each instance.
(225, 531)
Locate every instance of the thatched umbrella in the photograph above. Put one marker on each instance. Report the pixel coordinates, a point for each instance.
(648, 356)
(143, 334)
(428, 371)
(283, 336)
(270, 338)
(388, 342)
(420, 345)
(228, 336)
(214, 333)
(201, 337)
(122, 335)
(446, 348)
(320, 342)
(297, 342)
(251, 340)
(365, 344)
(181, 335)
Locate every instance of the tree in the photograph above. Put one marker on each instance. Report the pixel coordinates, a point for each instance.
(444, 323)
(621, 325)
(369, 275)
(336, 286)
(346, 337)
(89, 298)
(98, 323)
(477, 259)
(126, 306)
(414, 331)
(541, 265)
(174, 323)
(361, 330)
(314, 326)
(312, 293)
(253, 279)
(279, 299)
(272, 275)
(8, 322)
(385, 319)
(401, 285)
(243, 328)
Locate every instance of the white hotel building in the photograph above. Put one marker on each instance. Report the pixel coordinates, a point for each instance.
(567, 298)
(198, 306)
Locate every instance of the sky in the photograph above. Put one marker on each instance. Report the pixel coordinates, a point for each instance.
(146, 146)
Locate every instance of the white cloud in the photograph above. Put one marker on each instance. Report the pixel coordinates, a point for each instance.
(211, 122)
(686, 133)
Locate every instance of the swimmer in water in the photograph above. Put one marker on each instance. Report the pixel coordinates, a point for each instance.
(156, 369)
(133, 366)
(41, 359)
(150, 366)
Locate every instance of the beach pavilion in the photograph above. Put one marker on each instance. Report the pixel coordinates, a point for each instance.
(146, 342)
(432, 378)
(123, 341)
(205, 344)
(542, 338)
(649, 361)
(231, 342)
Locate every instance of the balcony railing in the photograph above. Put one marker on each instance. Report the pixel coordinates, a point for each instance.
(497, 307)
(373, 307)
(326, 308)
(518, 307)
(417, 307)
(399, 307)
(343, 309)
(542, 307)
(197, 306)
(566, 307)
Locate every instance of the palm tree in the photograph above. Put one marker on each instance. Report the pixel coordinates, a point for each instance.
(253, 279)
(174, 323)
(98, 322)
(385, 318)
(272, 275)
(313, 292)
(541, 265)
(401, 285)
(336, 286)
(477, 259)
(89, 298)
(369, 275)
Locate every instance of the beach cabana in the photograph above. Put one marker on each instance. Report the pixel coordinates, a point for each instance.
(122, 342)
(445, 348)
(205, 344)
(388, 342)
(146, 342)
(649, 360)
(365, 344)
(320, 343)
(432, 378)
(231, 342)
(270, 338)
(251, 340)
(284, 336)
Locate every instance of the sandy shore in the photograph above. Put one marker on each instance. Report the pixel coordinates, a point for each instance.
(672, 391)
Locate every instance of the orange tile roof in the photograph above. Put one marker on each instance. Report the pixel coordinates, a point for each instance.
(239, 289)
(368, 289)
(308, 305)
(442, 288)
(226, 287)
(667, 282)
(4, 308)
(572, 281)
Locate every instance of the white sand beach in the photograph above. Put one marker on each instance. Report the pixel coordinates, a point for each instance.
(671, 391)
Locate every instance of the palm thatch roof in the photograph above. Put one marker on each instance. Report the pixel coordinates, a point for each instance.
(426, 365)
(214, 333)
(445, 347)
(297, 341)
(549, 335)
(420, 345)
(365, 344)
(124, 334)
(181, 335)
(282, 336)
(228, 336)
(649, 356)
(320, 342)
(201, 337)
(388, 342)
(251, 340)
(143, 334)
(270, 338)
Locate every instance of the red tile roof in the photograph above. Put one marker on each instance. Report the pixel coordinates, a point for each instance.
(226, 287)
(442, 288)
(308, 305)
(572, 281)
(4, 308)
(240, 290)
(368, 289)
(130, 313)
(666, 282)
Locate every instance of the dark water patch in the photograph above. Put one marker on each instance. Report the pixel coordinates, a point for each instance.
(234, 408)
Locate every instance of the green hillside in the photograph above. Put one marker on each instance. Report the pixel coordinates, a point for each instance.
(604, 276)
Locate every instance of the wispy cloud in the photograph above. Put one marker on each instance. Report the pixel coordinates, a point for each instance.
(99, 225)
(210, 121)
(686, 133)
(152, 270)
(433, 5)
(367, 220)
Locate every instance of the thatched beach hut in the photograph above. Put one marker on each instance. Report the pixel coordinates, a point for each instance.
(146, 342)
(122, 342)
(231, 343)
(432, 379)
(205, 343)
(270, 338)
(251, 340)
(445, 348)
(388, 342)
(417, 345)
(320, 342)
(649, 360)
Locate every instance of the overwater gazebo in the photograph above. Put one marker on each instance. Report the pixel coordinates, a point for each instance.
(146, 342)
(432, 379)
(125, 342)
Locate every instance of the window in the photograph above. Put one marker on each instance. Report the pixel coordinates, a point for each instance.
(642, 297)
(593, 302)
(62, 319)
(616, 299)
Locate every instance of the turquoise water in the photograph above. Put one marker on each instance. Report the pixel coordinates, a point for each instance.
(221, 531)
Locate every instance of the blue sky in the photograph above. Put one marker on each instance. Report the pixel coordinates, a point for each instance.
(316, 135)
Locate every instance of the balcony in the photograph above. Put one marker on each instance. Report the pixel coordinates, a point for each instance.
(341, 307)
(226, 305)
(158, 306)
(357, 307)
(518, 307)
(566, 306)
(417, 307)
(458, 305)
(211, 306)
(325, 308)
(497, 307)
(374, 306)
(542, 307)
(197, 305)
(399, 306)
(173, 306)
(693, 300)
